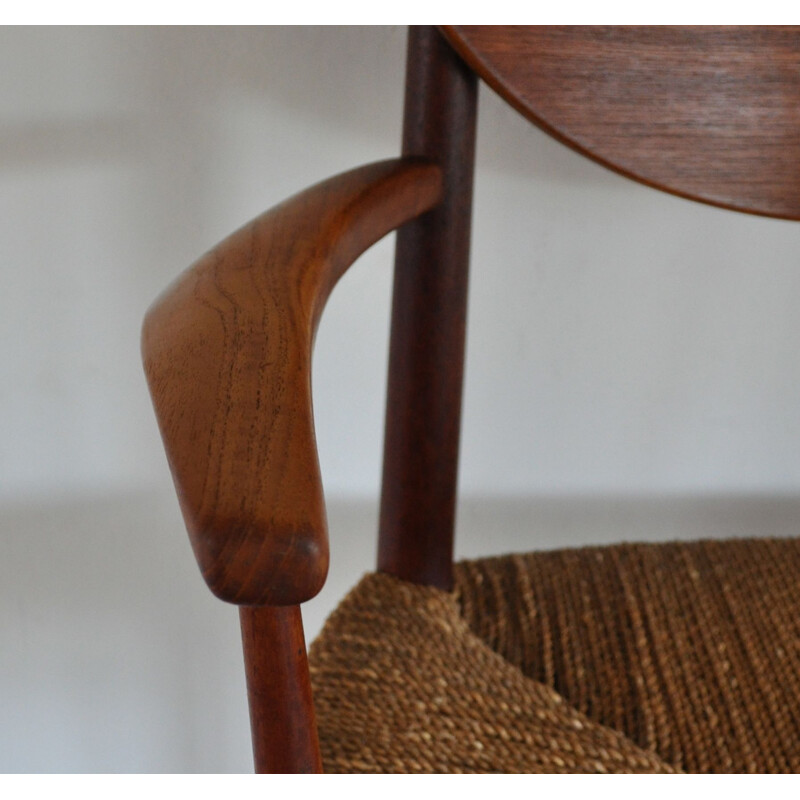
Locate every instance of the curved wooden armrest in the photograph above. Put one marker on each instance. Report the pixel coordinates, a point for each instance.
(227, 353)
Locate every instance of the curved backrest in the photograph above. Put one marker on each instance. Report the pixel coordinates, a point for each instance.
(709, 113)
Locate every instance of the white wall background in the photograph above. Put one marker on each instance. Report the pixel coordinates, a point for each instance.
(631, 372)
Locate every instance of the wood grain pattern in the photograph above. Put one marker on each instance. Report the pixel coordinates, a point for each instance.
(227, 353)
(282, 720)
(429, 308)
(710, 113)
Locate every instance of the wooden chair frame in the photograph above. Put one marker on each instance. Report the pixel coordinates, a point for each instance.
(227, 355)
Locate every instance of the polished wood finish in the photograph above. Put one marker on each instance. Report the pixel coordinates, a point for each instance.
(708, 113)
(711, 113)
(428, 323)
(227, 353)
(282, 719)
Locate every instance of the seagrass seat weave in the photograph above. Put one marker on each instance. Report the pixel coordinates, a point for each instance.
(631, 658)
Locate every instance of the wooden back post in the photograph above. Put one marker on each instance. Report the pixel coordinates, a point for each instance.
(429, 307)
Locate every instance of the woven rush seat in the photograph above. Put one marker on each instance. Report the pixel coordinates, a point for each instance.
(631, 658)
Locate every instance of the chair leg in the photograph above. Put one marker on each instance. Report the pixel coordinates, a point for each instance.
(282, 717)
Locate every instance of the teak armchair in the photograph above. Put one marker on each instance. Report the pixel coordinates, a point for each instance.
(653, 658)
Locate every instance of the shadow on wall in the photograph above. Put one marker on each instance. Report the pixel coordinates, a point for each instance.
(112, 646)
(187, 74)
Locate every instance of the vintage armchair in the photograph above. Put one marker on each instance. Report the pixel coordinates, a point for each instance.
(633, 658)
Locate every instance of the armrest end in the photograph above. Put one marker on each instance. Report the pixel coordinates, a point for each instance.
(227, 354)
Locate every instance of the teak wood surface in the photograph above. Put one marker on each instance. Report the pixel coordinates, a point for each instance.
(282, 719)
(429, 309)
(707, 112)
(710, 113)
(227, 354)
